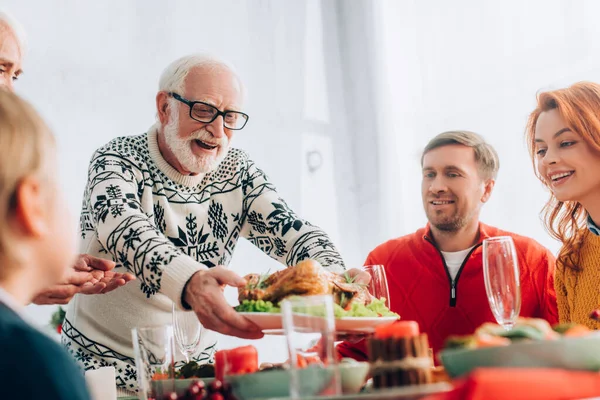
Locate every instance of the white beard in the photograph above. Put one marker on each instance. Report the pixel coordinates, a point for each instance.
(182, 148)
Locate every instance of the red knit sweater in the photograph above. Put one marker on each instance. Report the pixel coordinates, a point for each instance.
(421, 289)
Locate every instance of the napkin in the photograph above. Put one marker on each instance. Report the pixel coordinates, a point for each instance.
(524, 384)
(101, 383)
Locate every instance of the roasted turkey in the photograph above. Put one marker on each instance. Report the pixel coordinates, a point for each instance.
(305, 279)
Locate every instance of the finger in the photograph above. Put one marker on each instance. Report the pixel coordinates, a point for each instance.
(210, 321)
(223, 317)
(100, 263)
(79, 278)
(227, 329)
(45, 299)
(128, 277)
(93, 289)
(113, 284)
(226, 276)
(236, 324)
(359, 276)
(81, 263)
(42, 300)
(60, 301)
(118, 275)
(61, 291)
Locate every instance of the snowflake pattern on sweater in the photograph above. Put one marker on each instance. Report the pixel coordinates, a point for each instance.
(163, 227)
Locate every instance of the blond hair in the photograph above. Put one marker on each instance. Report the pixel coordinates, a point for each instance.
(485, 155)
(24, 143)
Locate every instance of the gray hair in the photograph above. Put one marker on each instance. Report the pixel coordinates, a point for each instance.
(485, 155)
(15, 26)
(173, 77)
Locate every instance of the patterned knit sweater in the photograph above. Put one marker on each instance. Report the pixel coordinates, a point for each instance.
(578, 292)
(163, 227)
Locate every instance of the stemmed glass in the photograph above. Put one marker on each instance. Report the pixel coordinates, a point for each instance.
(501, 276)
(378, 287)
(188, 332)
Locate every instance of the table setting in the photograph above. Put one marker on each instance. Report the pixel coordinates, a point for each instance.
(400, 362)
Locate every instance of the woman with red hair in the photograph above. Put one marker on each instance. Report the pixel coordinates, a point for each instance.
(563, 135)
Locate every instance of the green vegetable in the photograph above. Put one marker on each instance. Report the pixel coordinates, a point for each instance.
(193, 370)
(257, 306)
(376, 308)
(522, 332)
(562, 328)
(461, 342)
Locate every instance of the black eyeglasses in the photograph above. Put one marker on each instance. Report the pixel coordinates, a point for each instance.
(207, 113)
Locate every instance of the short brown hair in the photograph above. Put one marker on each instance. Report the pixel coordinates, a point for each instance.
(25, 146)
(485, 155)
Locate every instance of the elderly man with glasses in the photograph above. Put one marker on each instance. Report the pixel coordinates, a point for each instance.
(170, 205)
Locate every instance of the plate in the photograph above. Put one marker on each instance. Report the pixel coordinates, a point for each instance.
(405, 393)
(272, 323)
(276, 383)
(580, 353)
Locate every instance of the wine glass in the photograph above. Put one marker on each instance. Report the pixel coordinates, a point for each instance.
(188, 332)
(501, 276)
(378, 287)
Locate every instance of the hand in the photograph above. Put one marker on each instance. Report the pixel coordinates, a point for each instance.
(89, 275)
(359, 276)
(99, 272)
(204, 293)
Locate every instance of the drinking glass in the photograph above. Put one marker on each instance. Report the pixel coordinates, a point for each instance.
(188, 332)
(501, 276)
(309, 326)
(154, 359)
(378, 287)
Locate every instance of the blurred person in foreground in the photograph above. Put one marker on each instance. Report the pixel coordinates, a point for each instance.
(89, 274)
(36, 249)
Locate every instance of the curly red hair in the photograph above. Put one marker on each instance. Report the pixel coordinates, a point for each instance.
(579, 106)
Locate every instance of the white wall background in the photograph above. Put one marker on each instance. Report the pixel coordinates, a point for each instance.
(363, 83)
(475, 65)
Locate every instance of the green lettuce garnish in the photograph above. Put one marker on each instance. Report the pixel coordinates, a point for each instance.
(376, 308)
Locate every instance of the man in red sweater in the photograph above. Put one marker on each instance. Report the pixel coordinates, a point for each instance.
(435, 275)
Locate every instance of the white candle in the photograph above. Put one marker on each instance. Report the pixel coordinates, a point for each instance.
(101, 383)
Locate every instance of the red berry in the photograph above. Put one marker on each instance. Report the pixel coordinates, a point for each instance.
(226, 389)
(59, 328)
(215, 386)
(199, 384)
(195, 392)
(595, 315)
(171, 396)
(216, 396)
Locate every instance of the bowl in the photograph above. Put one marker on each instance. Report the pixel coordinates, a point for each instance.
(575, 353)
(313, 380)
(354, 376)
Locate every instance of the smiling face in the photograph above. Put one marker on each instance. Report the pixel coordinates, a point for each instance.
(200, 147)
(566, 162)
(452, 188)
